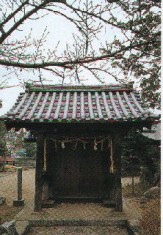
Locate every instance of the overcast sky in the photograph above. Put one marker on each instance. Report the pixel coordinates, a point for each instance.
(59, 30)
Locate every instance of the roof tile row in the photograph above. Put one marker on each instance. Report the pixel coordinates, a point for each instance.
(78, 105)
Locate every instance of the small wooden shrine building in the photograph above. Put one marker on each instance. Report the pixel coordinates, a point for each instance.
(78, 131)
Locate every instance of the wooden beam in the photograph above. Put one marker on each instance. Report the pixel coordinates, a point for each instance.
(39, 172)
(116, 142)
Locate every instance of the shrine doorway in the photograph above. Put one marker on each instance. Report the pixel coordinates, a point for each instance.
(81, 172)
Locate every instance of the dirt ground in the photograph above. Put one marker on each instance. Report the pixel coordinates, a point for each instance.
(7, 213)
(8, 182)
(8, 189)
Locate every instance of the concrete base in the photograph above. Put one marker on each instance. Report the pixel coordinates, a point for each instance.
(17, 203)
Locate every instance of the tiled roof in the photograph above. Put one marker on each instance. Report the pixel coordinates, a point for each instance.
(78, 104)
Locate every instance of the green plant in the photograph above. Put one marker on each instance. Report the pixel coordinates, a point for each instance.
(139, 153)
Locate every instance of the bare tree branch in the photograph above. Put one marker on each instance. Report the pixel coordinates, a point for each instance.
(116, 38)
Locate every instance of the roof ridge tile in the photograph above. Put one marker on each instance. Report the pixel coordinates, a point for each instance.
(73, 88)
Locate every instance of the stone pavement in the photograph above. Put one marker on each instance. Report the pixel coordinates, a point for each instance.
(72, 218)
(71, 211)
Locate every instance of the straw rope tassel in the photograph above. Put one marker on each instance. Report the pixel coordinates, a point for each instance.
(111, 157)
(44, 154)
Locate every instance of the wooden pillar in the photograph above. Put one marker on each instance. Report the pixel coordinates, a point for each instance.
(39, 172)
(50, 152)
(116, 142)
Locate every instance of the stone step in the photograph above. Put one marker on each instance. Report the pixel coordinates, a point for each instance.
(78, 230)
(79, 222)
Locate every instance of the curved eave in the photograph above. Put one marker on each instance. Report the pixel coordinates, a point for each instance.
(138, 123)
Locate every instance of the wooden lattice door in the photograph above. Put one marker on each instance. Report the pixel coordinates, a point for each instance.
(80, 173)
